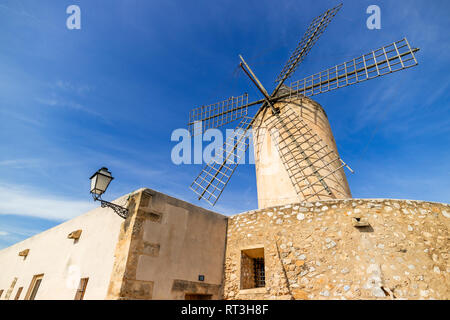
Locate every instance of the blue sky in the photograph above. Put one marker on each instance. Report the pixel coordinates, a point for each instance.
(111, 94)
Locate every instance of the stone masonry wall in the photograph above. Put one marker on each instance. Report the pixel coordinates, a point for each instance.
(275, 183)
(123, 284)
(168, 248)
(314, 250)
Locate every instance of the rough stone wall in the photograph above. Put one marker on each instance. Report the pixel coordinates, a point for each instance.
(314, 251)
(164, 246)
(123, 284)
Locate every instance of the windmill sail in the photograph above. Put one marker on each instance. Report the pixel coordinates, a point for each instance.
(311, 165)
(214, 177)
(217, 114)
(391, 58)
(312, 34)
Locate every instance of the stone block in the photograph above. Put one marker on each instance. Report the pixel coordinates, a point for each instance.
(299, 263)
(299, 294)
(134, 289)
(151, 249)
(152, 216)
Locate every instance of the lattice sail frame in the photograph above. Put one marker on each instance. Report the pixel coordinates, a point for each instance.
(388, 59)
(235, 108)
(312, 34)
(214, 177)
(217, 114)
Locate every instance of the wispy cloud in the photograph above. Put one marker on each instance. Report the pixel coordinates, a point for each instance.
(68, 86)
(19, 230)
(66, 94)
(438, 93)
(20, 227)
(20, 163)
(20, 12)
(20, 200)
(26, 16)
(60, 102)
(23, 118)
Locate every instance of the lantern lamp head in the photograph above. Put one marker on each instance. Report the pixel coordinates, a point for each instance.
(100, 182)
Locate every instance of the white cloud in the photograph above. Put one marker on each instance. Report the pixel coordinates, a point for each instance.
(22, 12)
(74, 88)
(64, 103)
(21, 200)
(20, 163)
(24, 118)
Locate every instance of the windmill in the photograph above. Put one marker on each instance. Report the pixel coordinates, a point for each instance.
(309, 157)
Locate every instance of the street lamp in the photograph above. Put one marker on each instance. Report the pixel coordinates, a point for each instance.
(99, 183)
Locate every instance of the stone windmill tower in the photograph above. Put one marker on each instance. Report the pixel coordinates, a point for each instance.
(278, 181)
(296, 157)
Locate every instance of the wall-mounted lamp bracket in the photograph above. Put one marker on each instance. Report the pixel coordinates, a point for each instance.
(121, 211)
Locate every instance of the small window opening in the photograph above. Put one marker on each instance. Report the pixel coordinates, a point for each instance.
(34, 287)
(252, 269)
(260, 277)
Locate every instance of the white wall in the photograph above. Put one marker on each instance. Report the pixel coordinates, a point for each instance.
(59, 258)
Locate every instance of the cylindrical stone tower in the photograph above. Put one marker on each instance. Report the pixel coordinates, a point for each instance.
(307, 167)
